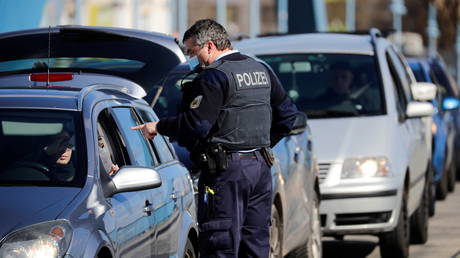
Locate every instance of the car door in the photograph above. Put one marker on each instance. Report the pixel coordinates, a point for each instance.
(168, 202)
(133, 230)
(412, 133)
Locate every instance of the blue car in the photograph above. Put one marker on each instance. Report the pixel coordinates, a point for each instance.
(296, 223)
(75, 179)
(444, 127)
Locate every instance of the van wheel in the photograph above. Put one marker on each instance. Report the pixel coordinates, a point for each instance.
(395, 244)
(189, 250)
(276, 234)
(313, 247)
(452, 177)
(419, 219)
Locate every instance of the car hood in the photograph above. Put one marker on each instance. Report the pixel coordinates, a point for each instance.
(23, 206)
(339, 138)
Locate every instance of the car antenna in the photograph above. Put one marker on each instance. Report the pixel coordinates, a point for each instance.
(49, 53)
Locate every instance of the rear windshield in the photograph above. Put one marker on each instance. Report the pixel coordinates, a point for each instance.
(84, 63)
(330, 85)
(40, 148)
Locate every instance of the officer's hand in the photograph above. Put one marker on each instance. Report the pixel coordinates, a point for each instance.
(149, 130)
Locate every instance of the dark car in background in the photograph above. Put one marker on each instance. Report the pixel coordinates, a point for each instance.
(68, 99)
(446, 121)
(295, 226)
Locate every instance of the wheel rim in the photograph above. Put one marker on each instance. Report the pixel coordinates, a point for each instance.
(275, 235)
(316, 228)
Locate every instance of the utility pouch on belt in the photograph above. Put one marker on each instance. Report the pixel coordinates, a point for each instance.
(220, 156)
(267, 153)
(211, 156)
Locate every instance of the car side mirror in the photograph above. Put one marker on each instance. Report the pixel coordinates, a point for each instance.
(300, 124)
(132, 178)
(423, 91)
(419, 109)
(449, 103)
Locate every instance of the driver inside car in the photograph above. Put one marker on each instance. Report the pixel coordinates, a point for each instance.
(53, 160)
(343, 92)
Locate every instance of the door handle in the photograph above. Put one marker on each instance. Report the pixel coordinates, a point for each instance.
(148, 208)
(175, 195)
(297, 153)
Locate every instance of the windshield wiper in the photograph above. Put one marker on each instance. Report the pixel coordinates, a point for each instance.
(330, 113)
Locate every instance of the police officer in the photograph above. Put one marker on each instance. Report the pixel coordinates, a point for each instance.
(227, 116)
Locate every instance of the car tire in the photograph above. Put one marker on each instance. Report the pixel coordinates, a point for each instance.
(452, 177)
(441, 187)
(395, 244)
(419, 219)
(189, 251)
(313, 248)
(276, 234)
(432, 191)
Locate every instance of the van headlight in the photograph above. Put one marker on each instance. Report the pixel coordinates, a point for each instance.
(47, 239)
(366, 167)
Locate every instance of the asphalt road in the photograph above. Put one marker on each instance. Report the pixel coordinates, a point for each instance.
(443, 241)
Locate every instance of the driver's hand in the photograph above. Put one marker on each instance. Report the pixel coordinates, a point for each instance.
(114, 169)
(149, 130)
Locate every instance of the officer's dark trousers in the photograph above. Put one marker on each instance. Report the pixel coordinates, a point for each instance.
(234, 221)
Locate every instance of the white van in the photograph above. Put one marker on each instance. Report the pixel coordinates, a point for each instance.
(370, 131)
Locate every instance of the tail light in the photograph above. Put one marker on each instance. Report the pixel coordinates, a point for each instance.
(52, 77)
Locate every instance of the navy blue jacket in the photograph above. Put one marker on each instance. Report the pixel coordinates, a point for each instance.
(193, 124)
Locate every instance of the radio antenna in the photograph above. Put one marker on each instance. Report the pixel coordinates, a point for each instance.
(49, 54)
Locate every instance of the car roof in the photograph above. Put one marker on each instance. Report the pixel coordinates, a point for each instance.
(307, 43)
(39, 99)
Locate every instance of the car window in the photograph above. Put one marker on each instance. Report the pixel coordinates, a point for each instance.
(441, 78)
(401, 98)
(418, 71)
(140, 151)
(330, 85)
(110, 147)
(166, 98)
(403, 76)
(162, 149)
(41, 148)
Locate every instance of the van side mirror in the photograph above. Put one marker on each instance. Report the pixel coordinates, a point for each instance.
(300, 124)
(419, 109)
(423, 91)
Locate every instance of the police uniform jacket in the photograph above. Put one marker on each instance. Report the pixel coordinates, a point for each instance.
(204, 98)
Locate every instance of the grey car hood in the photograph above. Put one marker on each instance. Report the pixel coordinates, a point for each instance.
(23, 206)
(339, 138)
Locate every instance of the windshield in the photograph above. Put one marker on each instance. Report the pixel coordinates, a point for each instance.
(330, 85)
(40, 148)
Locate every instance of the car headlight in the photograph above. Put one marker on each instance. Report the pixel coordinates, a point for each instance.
(366, 167)
(47, 239)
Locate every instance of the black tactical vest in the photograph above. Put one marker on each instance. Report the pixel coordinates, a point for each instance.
(245, 119)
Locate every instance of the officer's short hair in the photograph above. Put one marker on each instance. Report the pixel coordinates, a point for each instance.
(208, 30)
